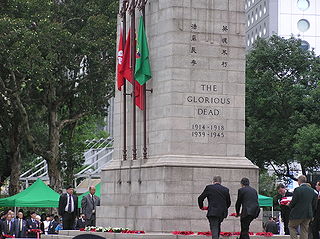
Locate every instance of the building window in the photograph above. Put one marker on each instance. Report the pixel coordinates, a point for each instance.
(264, 29)
(260, 11)
(303, 4)
(256, 14)
(303, 25)
(252, 19)
(305, 45)
(260, 32)
(248, 20)
(248, 42)
(249, 3)
(264, 8)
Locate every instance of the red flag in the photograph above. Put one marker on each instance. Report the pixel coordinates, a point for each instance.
(120, 76)
(128, 73)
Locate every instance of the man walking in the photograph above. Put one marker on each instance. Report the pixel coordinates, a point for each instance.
(316, 220)
(218, 203)
(89, 204)
(248, 201)
(303, 205)
(20, 226)
(285, 209)
(68, 208)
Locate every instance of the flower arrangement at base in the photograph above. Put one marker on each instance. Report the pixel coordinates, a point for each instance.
(111, 229)
(204, 233)
(185, 233)
(264, 234)
(8, 236)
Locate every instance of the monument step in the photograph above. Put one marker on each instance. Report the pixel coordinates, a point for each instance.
(65, 234)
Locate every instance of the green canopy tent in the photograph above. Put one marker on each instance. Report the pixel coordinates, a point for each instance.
(265, 202)
(37, 195)
(98, 193)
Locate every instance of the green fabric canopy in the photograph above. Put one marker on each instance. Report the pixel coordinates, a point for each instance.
(265, 201)
(98, 193)
(37, 195)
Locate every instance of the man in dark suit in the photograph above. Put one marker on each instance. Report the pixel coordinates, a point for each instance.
(248, 201)
(89, 204)
(68, 208)
(218, 203)
(303, 206)
(20, 226)
(81, 222)
(271, 226)
(285, 209)
(8, 226)
(316, 220)
(32, 224)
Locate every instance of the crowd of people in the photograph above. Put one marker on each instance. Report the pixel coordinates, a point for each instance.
(301, 215)
(29, 224)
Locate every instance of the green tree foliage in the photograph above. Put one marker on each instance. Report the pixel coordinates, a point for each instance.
(57, 66)
(281, 78)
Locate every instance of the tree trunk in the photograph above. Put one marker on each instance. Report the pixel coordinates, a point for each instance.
(15, 159)
(53, 161)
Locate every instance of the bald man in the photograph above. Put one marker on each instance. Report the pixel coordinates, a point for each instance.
(89, 204)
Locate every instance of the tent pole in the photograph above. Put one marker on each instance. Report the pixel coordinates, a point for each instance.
(272, 211)
(15, 211)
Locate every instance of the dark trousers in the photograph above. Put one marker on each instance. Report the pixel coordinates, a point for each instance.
(245, 224)
(315, 226)
(215, 224)
(68, 220)
(91, 221)
(285, 226)
(21, 234)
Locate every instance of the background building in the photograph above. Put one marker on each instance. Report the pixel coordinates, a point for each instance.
(300, 18)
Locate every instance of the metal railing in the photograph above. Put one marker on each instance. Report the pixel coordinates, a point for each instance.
(98, 153)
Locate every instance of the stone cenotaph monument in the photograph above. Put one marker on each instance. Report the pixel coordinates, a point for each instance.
(195, 120)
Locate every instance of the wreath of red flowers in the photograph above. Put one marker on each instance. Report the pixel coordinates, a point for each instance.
(8, 236)
(185, 233)
(133, 232)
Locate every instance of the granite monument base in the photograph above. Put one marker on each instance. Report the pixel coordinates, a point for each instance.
(161, 195)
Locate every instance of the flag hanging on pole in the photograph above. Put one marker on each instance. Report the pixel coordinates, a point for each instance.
(142, 69)
(120, 77)
(128, 74)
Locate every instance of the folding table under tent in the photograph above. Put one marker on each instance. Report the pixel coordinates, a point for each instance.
(37, 195)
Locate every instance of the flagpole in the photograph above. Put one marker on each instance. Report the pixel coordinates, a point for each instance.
(124, 32)
(145, 149)
(133, 61)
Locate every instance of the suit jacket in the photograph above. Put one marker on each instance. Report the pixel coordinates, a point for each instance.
(317, 213)
(80, 224)
(5, 230)
(17, 229)
(63, 200)
(88, 205)
(248, 201)
(304, 203)
(218, 200)
(32, 224)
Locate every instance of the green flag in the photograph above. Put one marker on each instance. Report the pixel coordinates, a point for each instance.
(142, 70)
